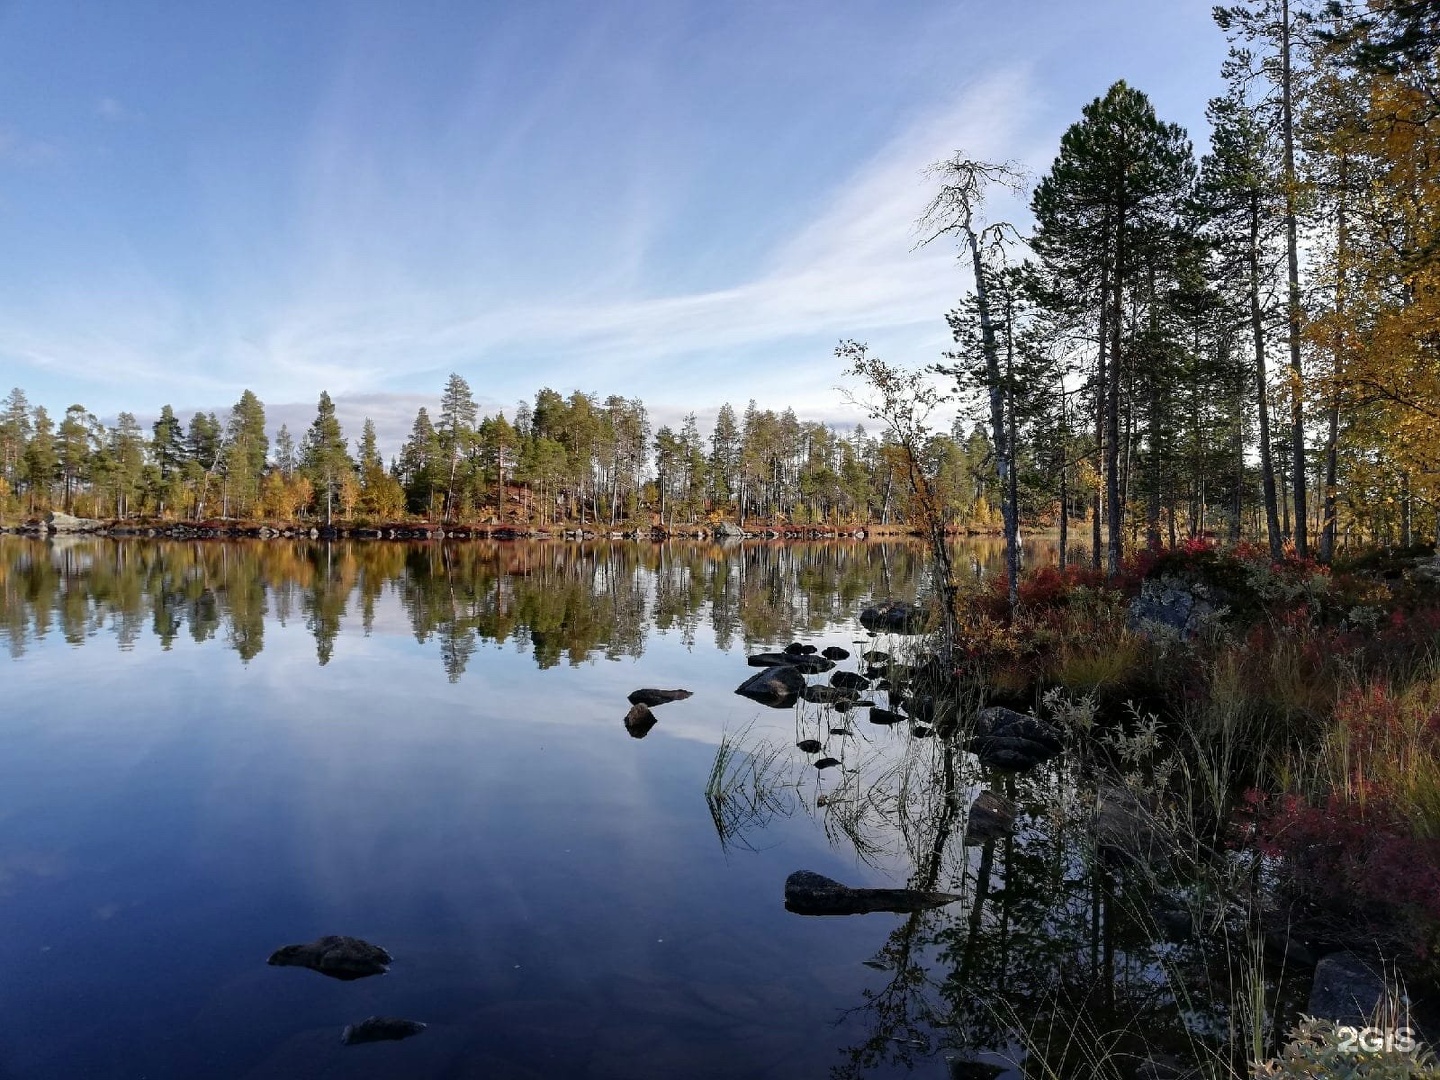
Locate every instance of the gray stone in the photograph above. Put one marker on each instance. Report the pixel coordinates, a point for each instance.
(834, 652)
(810, 746)
(778, 687)
(809, 893)
(1348, 989)
(810, 665)
(1126, 832)
(886, 717)
(65, 523)
(1005, 739)
(380, 1029)
(335, 955)
(849, 680)
(728, 530)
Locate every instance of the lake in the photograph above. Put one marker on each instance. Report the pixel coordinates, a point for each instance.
(211, 750)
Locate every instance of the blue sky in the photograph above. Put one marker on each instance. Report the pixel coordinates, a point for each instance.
(688, 201)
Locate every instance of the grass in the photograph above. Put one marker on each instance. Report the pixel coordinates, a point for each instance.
(746, 788)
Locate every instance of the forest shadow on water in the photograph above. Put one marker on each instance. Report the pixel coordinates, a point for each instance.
(427, 747)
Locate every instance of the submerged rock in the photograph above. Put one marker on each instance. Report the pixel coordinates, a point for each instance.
(894, 617)
(779, 687)
(639, 720)
(810, 746)
(834, 652)
(335, 955)
(651, 698)
(809, 893)
(380, 1029)
(991, 817)
(849, 680)
(829, 695)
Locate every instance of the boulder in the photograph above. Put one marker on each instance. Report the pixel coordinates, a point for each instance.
(894, 617)
(1126, 831)
(796, 648)
(1348, 989)
(874, 656)
(380, 1029)
(65, 523)
(653, 698)
(779, 687)
(810, 746)
(834, 652)
(809, 893)
(639, 720)
(728, 530)
(849, 680)
(335, 955)
(810, 665)
(827, 763)
(991, 817)
(1005, 739)
(1171, 605)
(886, 717)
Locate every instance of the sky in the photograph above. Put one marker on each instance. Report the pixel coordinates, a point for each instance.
(685, 201)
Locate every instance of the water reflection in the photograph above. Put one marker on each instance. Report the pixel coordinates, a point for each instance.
(558, 602)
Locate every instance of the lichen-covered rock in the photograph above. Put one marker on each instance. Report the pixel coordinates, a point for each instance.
(1173, 605)
(1347, 989)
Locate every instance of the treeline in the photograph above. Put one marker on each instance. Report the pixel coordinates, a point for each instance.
(1247, 342)
(564, 604)
(578, 459)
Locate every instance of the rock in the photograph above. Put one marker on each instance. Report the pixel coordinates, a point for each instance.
(885, 716)
(810, 746)
(1348, 989)
(841, 731)
(658, 697)
(991, 817)
(829, 695)
(1172, 919)
(335, 955)
(778, 687)
(849, 680)
(834, 652)
(65, 523)
(1005, 739)
(875, 656)
(809, 893)
(639, 720)
(1171, 604)
(796, 648)
(827, 763)
(1126, 832)
(810, 665)
(727, 530)
(920, 731)
(380, 1029)
(894, 617)
(1285, 949)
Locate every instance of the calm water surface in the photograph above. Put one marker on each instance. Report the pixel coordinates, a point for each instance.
(211, 750)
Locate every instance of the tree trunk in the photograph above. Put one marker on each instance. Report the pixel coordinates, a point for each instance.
(1292, 264)
(1257, 329)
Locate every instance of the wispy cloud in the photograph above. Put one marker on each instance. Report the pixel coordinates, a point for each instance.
(112, 109)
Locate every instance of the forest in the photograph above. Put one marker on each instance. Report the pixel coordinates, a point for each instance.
(1240, 343)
